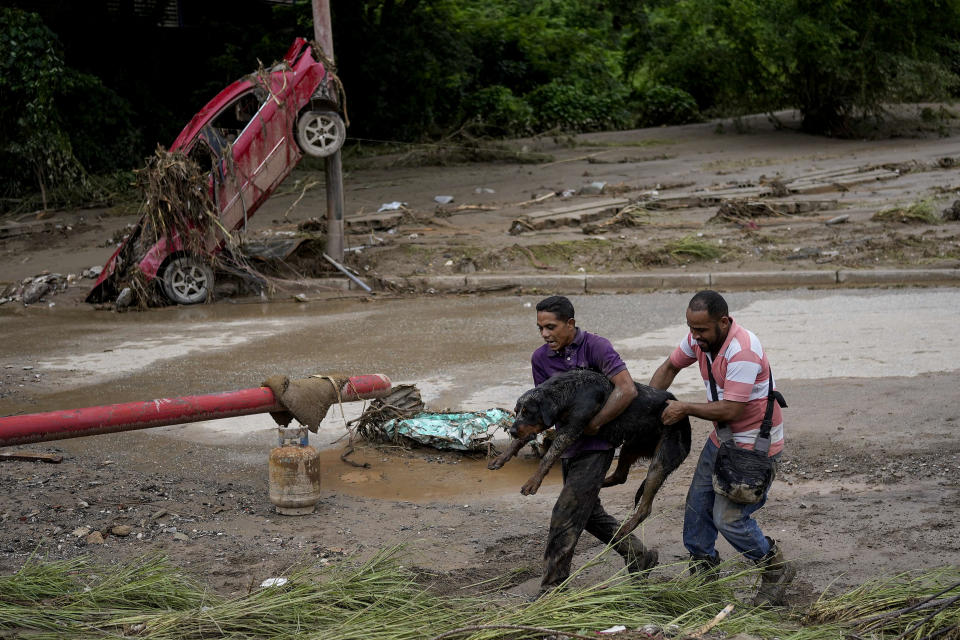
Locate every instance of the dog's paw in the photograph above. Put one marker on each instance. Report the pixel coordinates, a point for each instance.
(530, 487)
(495, 464)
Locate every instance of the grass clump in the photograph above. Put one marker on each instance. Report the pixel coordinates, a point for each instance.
(920, 212)
(693, 247)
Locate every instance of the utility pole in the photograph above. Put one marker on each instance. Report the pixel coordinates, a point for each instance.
(333, 169)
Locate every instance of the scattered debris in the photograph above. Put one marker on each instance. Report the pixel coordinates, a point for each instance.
(633, 215)
(32, 457)
(125, 298)
(313, 225)
(837, 220)
(459, 431)
(953, 212)
(35, 289)
(592, 189)
(920, 212)
(537, 199)
(443, 199)
(392, 206)
(403, 401)
(571, 215)
(738, 211)
(273, 582)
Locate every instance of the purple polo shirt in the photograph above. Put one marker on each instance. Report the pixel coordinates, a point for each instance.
(587, 351)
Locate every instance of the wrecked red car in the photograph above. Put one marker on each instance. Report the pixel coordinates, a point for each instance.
(250, 137)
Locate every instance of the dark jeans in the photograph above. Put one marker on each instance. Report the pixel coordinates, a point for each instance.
(708, 514)
(577, 508)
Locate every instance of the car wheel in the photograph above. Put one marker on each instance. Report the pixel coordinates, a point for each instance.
(321, 133)
(187, 280)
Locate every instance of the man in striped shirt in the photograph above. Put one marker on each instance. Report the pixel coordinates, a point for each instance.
(742, 374)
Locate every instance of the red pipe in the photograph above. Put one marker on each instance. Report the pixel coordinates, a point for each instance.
(73, 423)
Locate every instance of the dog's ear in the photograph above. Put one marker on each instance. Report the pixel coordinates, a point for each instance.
(548, 411)
(522, 401)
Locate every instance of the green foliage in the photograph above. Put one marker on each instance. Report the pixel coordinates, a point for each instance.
(99, 123)
(836, 61)
(662, 105)
(499, 112)
(574, 107)
(34, 150)
(95, 85)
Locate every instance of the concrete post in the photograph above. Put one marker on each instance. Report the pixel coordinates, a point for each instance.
(333, 169)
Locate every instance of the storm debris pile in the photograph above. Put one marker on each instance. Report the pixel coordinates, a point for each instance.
(403, 402)
(176, 199)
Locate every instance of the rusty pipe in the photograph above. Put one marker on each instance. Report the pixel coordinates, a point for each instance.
(74, 423)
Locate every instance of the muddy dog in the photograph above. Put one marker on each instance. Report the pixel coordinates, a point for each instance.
(569, 400)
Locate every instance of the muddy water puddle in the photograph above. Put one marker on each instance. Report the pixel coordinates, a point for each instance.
(415, 479)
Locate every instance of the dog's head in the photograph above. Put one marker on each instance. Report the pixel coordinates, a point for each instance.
(535, 412)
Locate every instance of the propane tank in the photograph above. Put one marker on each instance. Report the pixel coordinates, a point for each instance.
(294, 473)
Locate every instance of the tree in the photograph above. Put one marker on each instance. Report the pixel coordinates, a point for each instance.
(836, 61)
(31, 70)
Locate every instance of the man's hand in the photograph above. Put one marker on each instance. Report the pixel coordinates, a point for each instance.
(674, 413)
(591, 429)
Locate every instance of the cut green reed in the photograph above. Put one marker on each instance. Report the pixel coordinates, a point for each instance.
(381, 599)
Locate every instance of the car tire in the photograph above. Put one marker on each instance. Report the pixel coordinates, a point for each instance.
(187, 280)
(321, 133)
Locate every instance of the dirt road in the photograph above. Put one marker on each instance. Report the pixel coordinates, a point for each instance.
(701, 197)
(868, 485)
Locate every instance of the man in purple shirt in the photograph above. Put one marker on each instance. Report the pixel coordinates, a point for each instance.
(585, 463)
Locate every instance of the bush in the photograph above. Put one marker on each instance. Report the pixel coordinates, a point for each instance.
(665, 105)
(570, 107)
(499, 111)
(99, 124)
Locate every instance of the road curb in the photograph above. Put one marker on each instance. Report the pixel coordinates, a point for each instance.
(651, 281)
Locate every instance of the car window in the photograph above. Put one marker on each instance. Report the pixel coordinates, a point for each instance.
(233, 119)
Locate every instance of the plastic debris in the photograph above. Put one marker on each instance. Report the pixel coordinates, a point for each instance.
(592, 189)
(274, 582)
(443, 199)
(480, 190)
(464, 431)
(838, 219)
(614, 629)
(392, 206)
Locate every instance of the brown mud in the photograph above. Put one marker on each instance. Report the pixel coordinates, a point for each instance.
(869, 484)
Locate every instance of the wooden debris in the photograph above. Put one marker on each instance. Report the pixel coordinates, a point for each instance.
(32, 457)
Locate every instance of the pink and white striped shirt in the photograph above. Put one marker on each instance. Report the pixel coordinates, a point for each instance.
(742, 373)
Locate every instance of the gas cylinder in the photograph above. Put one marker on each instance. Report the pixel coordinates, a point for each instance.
(294, 473)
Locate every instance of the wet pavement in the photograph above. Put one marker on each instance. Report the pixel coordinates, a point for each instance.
(464, 353)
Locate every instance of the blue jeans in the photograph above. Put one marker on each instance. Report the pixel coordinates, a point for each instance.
(707, 514)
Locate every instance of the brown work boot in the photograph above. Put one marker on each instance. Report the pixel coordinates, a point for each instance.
(777, 575)
(705, 567)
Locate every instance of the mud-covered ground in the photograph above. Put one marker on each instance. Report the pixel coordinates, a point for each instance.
(868, 486)
(869, 483)
(857, 498)
(708, 197)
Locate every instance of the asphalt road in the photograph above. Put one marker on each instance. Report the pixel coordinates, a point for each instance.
(462, 352)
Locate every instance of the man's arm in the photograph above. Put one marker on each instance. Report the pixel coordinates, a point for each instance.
(624, 391)
(664, 375)
(721, 411)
